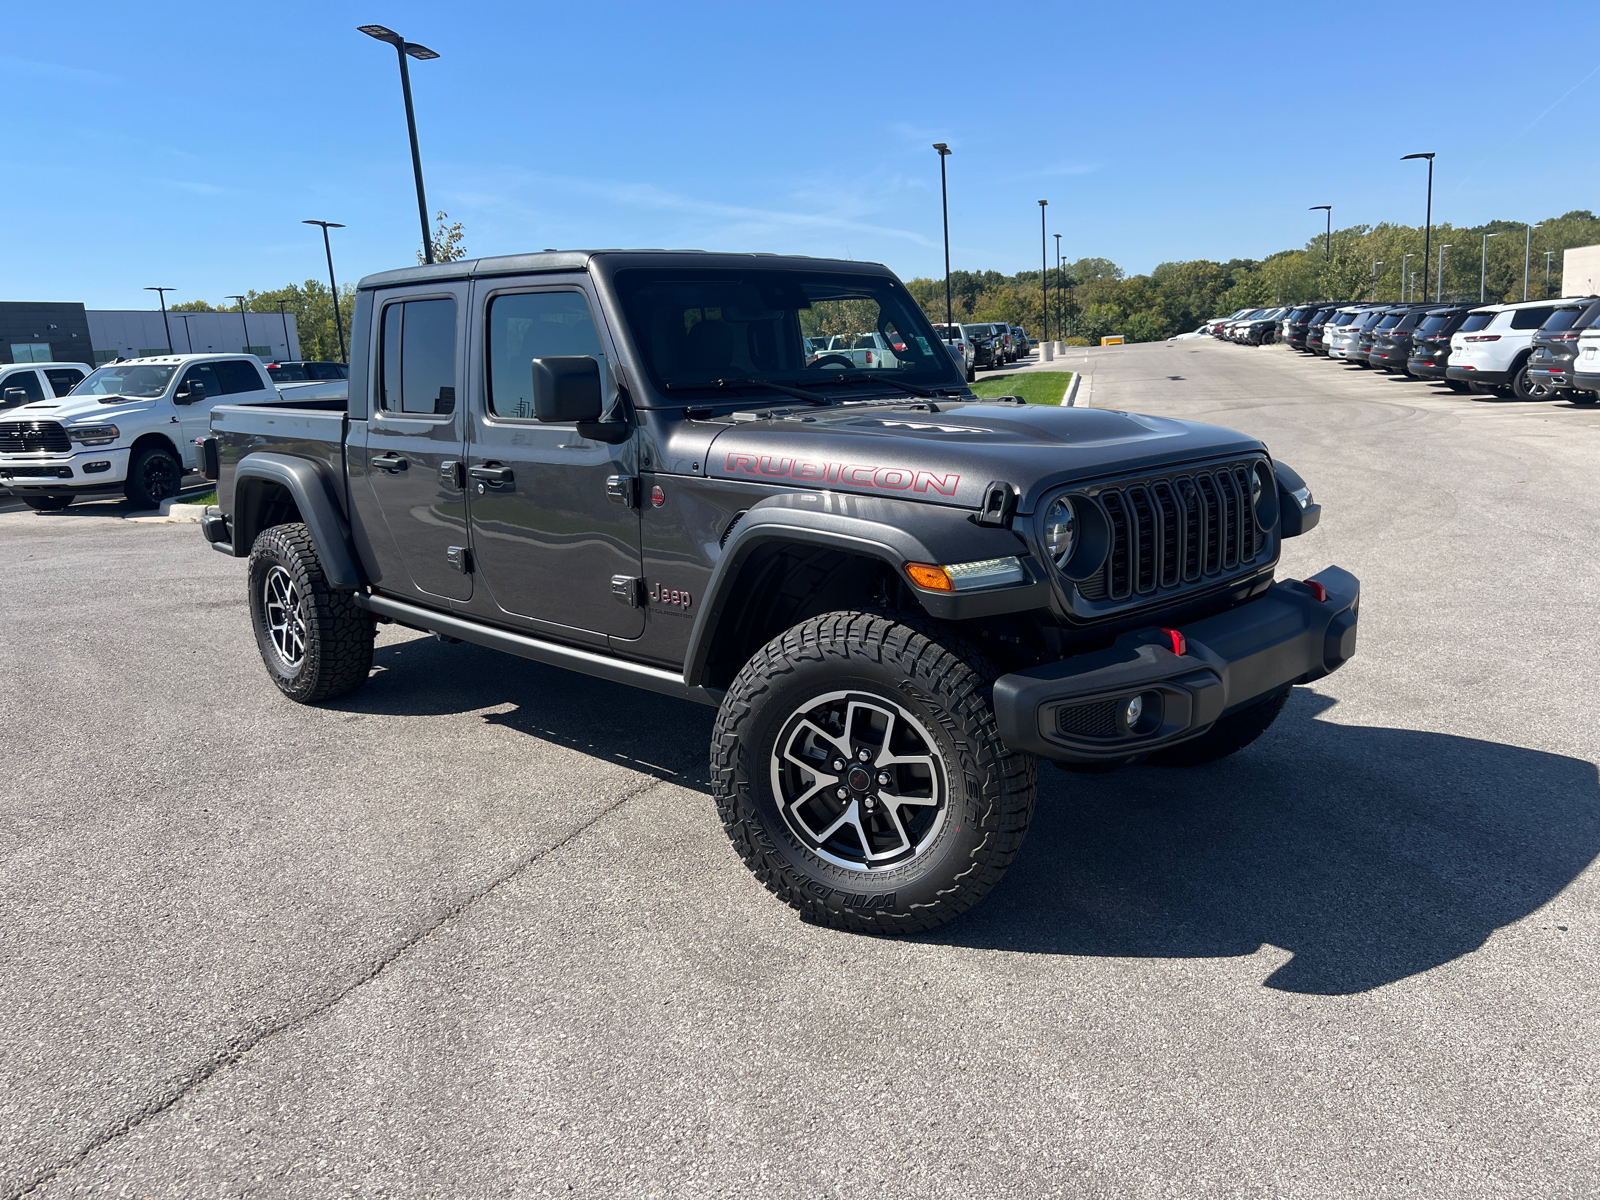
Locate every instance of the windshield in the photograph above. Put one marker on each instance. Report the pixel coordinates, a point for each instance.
(697, 327)
(139, 380)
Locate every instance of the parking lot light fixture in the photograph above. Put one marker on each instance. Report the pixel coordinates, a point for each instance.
(246, 324)
(422, 54)
(161, 295)
(338, 320)
(1483, 269)
(1427, 233)
(1438, 297)
(1061, 286)
(1044, 269)
(1376, 263)
(288, 350)
(944, 200)
(1527, 252)
(1327, 253)
(1548, 255)
(1405, 261)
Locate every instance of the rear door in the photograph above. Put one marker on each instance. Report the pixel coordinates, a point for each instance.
(548, 538)
(411, 463)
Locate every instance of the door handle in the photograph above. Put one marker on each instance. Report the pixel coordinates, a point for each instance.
(388, 462)
(491, 474)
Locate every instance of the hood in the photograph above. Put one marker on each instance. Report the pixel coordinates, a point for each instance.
(72, 410)
(950, 457)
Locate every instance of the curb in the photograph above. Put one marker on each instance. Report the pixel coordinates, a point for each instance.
(1071, 398)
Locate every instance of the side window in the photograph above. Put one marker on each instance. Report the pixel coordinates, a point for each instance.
(418, 357)
(63, 380)
(528, 325)
(324, 371)
(26, 380)
(235, 375)
(205, 374)
(1530, 318)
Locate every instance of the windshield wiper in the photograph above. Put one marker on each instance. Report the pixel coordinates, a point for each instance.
(913, 389)
(728, 384)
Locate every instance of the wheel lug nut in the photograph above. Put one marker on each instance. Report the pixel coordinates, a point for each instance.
(872, 802)
(864, 755)
(838, 764)
(842, 793)
(883, 779)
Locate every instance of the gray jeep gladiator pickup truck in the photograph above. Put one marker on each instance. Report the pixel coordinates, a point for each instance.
(899, 597)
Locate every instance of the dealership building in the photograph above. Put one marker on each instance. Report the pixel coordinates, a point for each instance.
(70, 333)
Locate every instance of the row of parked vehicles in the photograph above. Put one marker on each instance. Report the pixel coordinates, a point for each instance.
(1534, 350)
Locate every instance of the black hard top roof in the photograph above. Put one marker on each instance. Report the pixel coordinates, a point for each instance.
(579, 260)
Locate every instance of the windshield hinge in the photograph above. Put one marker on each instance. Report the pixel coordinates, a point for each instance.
(999, 504)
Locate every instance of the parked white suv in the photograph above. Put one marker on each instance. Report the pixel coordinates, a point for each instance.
(960, 349)
(21, 383)
(1493, 355)
(128, 427)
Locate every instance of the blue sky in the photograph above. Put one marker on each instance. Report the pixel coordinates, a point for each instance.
(182, 144)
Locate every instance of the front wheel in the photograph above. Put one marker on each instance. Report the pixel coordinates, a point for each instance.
(858, 773)
(47, 503)
(153, 476)
(315, 642)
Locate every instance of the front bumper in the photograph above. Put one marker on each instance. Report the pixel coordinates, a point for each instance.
(81, 472)
(1069, 710)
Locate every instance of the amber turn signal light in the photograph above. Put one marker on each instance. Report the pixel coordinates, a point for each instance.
(926, 575)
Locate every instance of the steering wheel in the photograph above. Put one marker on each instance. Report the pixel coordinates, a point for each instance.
(834, 360)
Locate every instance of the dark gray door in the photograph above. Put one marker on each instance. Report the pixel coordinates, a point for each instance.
(415, 434)
(546, 539)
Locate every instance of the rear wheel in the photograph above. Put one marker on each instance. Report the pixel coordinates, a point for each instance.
(1456, 385)
(1585, 397)
(46, 503)
(858, 772)
(315, 642)
(972, 373)
(153, 476)
(1525, 387)
(1228, 736)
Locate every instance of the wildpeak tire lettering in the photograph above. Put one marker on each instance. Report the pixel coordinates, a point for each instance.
(802, 470)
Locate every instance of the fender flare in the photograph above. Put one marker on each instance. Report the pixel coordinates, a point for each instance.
(313, 493)
(894, 532)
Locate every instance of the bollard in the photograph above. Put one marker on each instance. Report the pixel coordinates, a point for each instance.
(1061, 348)
(1049, 351)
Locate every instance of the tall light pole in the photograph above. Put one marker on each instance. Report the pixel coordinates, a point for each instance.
(1376, 263)
(422, 54)
(1405, 260)
(1483, 269)
(1044, 269)
(333, 283)
(1427, 235)
(1061, 287)
(288, 350)
(245, 349)
(161, 295)
(1527, 252)
(1438, 297)
(1548, 255)
(1327, 255)
(944, 199)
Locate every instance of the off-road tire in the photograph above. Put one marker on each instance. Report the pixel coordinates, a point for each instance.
(944, 684)
(336, 654)
(1228, 736)
(46, 503)
(154, 475)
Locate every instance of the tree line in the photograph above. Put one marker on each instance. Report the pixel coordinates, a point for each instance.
(1093, 297)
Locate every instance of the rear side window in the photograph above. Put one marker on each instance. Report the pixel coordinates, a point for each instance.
(1476, 321)
(26, 380)
(324, 371)
(235, 376)
(1434, 324)
(1562, 318)
(418, 357)
(1388, 322)
(1408, 322)
(63, 379)
(290, 373)
(1588, 316)
(1529, 318)
(524, 326)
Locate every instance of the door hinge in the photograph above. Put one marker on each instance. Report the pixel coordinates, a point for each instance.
(459, 558)
(628, 589)
(453, 474)
(623, 489)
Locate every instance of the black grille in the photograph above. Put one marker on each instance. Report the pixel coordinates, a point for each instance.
(1096, 719)
(1178, 530)
(20, 437)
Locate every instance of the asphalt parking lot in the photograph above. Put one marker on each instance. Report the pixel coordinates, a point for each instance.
(476, 931)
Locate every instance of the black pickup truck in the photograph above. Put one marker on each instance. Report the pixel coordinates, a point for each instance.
(898, 596)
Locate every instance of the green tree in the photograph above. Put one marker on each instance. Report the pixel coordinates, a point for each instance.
(447, 240)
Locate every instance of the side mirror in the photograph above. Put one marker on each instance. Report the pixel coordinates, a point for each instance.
(566, 389)
(16, 396)
(190, 393)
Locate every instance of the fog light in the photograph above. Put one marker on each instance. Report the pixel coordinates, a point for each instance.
(1132, 711)
(96, 468)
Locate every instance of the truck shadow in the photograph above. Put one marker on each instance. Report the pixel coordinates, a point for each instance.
(1369, 853)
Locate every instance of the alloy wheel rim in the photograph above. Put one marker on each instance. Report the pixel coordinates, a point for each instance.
(160, 481)
(285, 613)
(858, 781)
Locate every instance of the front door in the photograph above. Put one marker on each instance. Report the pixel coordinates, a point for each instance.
(547, 538)
(412, 459)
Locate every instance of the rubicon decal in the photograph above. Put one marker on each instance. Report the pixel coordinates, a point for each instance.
(802, 470)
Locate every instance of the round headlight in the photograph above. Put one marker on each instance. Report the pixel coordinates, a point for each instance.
(1060, 530)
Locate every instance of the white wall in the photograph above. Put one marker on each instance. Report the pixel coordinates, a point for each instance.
(129, 331)
(1580, 271)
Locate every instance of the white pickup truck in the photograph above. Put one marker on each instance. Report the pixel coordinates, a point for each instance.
(129, 427)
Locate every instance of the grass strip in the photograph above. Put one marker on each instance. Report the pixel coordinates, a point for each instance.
(1036, 387)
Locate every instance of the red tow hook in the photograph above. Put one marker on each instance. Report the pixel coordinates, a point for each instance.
(1180, 644)
(1317, 590)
